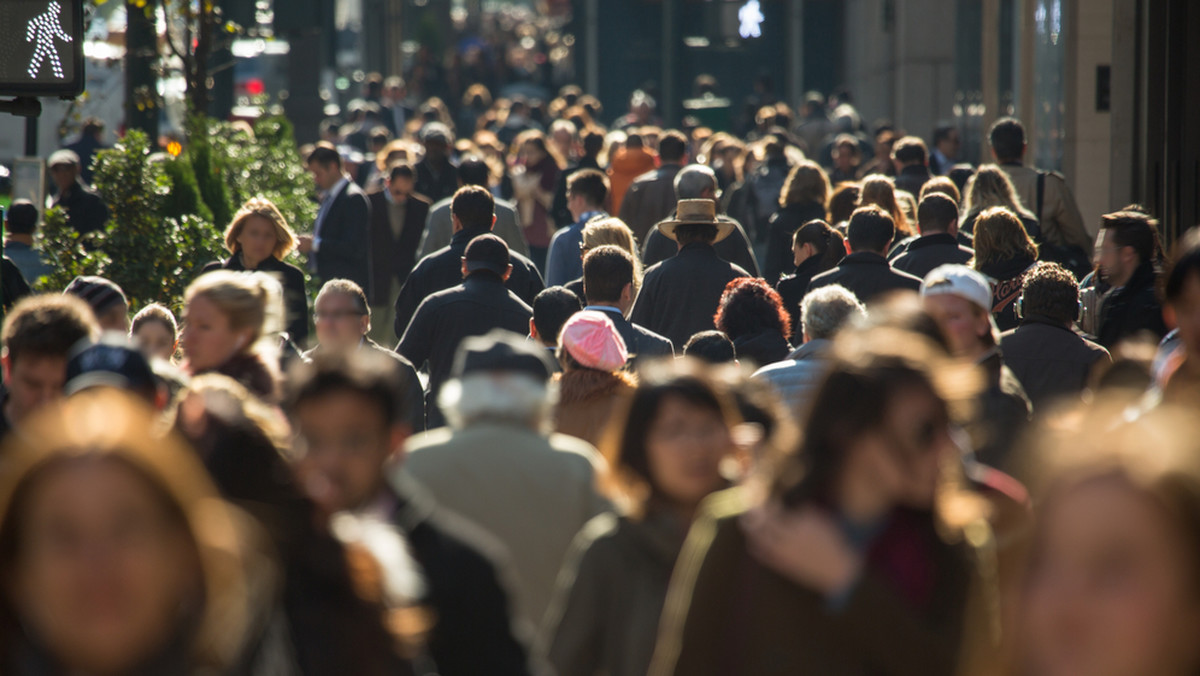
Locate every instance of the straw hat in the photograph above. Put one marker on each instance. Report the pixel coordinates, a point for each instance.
(697, 212)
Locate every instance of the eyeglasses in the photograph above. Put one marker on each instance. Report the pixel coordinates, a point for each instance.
(334, 316)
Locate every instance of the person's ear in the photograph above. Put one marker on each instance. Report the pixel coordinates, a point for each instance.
(364, 324)
(465, 271)
(455, 222)
(626, 292)
(493, 225)
(507, 273)
(533, 330)
(6, 365)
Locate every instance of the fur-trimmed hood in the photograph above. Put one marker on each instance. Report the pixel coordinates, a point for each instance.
(582, 385)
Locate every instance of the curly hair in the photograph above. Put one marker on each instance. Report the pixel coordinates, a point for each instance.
(749, 305)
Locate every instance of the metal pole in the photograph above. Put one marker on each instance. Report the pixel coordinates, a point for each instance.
(592, 42)
(667, 105)
(796, 46)
(31, 136)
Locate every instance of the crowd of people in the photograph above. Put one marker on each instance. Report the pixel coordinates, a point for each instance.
(552, 416)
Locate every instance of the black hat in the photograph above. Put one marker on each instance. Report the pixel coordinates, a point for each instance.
(109, 363)
(487, 252)
(503, 351)
(97, 292)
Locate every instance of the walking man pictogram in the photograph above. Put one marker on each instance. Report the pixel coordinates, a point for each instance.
(42, 30)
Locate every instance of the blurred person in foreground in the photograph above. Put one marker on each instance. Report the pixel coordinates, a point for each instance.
(859, 551)
(38, 336)
(959, 299)
(258, 240)
(711, 347)
(1111, 585)
(1181, 370)
(666, 450)
(121, 556)
(498, 465)
(244, 445)
(349, 413)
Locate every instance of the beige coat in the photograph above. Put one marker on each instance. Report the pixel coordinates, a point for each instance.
(534, 493)
(1060, 220)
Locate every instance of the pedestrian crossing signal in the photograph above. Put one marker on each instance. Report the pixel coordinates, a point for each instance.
(41, 48)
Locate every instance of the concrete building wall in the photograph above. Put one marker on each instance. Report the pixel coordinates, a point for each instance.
(1089, 147)
(899, 55)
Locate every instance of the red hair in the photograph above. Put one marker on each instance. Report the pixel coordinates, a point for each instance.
(749, 305)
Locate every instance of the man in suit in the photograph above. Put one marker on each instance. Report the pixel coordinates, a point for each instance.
(338, 247)
(699, 182)
(651, 197)
(439, 226)
(474, 214)
(608, 285)
(866, 271)
(474, 307)
(397, 221)
(681, 294)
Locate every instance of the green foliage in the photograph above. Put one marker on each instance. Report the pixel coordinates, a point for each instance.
(265, 164)
(68, 253)
(153, 255)
(184, 196)
(209, 173)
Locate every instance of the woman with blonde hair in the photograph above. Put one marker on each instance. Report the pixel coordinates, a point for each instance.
(881, 192)
(991, 187)
(229, 319)
(610, 231)
(1004, 252)
(803, 198)
(259, 240)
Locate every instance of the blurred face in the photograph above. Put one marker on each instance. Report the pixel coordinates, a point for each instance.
(400, 188)
(343, 443)
(208, 339)
(961, 322)
(532, 152)
(324, 176)
(1187, 315)
(920, 434)
(1116, 263)
(32, 381)
(257, 240)
(154, 339)
(684, 450)
(102, 570)
(949, 145)
(64, 175)
(1110, 592)
(844, 157)
(115, 318)
(339, 323)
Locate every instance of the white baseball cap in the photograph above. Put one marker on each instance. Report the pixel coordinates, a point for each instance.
(961, 281)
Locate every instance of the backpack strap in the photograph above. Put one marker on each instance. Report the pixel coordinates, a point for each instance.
(1041, 193)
